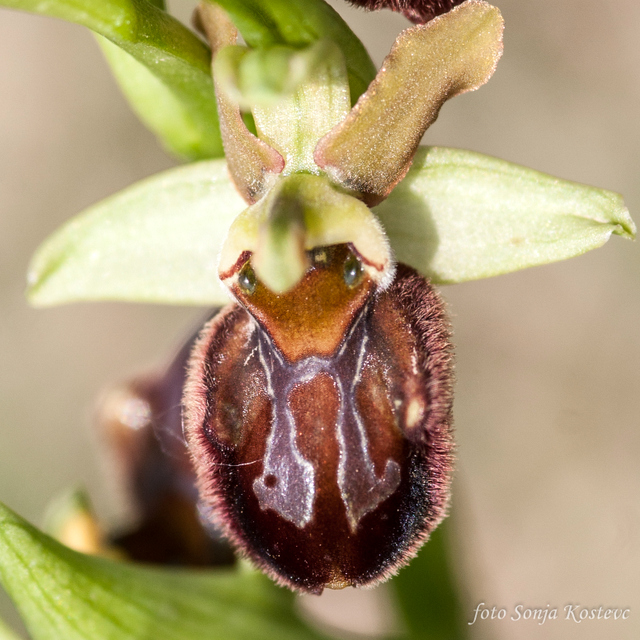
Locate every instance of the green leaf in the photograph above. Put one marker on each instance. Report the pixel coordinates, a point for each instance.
(176, 67)
(298, 23)
(427, 594)
(157, 241)
(6, 633)
(63, 594)
(459, 216)
(155, 104)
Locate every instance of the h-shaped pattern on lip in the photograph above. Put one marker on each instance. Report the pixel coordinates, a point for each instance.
(288, 481)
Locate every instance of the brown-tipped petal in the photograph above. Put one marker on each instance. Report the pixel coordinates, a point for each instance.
(253, 164)
(416, 10)
(372, 149)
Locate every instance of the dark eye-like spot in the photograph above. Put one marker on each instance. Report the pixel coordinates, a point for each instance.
(353, 271)
(247, 279)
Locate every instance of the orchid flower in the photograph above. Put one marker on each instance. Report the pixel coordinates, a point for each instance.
(318, 401)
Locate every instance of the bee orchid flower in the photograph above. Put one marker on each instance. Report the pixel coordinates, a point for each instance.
(318, 405)
(317, 400)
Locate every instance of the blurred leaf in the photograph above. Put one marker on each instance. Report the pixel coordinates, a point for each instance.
(66, 595)
(155, 104)
(459, 216)
(6, 633)
(157, 241)
(298, 23)
(427, 595)
(178, 64)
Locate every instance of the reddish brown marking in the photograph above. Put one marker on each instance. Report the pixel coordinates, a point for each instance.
(313, 317)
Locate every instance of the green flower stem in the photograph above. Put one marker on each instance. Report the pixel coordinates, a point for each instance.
(178, 65)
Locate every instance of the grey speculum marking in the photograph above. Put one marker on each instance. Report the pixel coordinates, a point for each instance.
(287, 482)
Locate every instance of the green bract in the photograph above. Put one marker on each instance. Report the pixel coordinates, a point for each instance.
(299, 23)
(172, 88)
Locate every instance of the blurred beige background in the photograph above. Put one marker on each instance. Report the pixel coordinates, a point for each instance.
(547, 507)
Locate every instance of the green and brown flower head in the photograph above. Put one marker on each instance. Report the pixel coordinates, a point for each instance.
(318, 407)
(318, 401)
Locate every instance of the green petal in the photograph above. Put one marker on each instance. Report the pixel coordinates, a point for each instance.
(298, 23)
(178, 80)
(157, 241)
(253, 164)
(62, 594)
(372, 149)
(459, 216)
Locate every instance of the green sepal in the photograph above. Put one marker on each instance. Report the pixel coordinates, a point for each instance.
(175, 78)
(64, 594)
(460, 215)
(157, 241)
(299, 23)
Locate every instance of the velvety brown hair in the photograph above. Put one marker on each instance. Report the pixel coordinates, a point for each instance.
(416, 10)
(398, 352)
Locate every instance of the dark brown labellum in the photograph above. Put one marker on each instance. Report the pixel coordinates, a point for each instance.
(416, 10)
(319, 422)
(141, 422)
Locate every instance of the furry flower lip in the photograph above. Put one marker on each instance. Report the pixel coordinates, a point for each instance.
(319, 421)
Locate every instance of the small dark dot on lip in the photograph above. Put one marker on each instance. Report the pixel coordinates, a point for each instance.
(270, 481)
